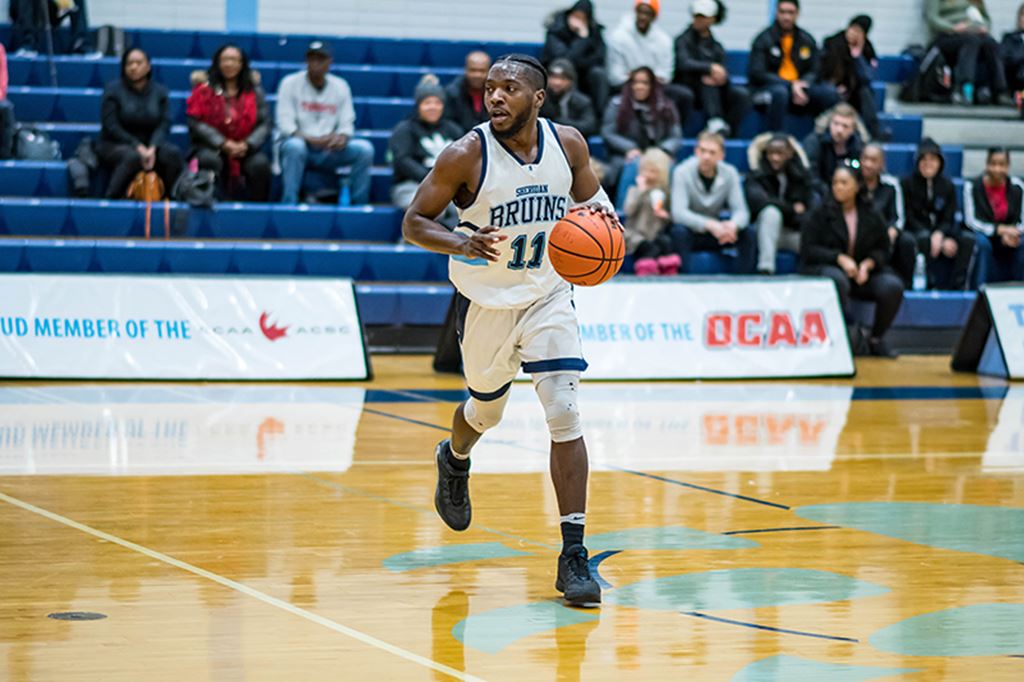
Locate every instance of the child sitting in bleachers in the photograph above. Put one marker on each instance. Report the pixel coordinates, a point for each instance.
(648, 217)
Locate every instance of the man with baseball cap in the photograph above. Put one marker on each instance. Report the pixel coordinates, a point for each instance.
(316, 122)
(564, 103)
(700, 69)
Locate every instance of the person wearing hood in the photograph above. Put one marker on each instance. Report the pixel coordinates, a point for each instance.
(465, 95)
(136, 121)
(844, 239)
(960, 30)
(994, 211)
(316, 120)
(779, 193)
(848, 62)
(783, 69)
(700, 68)
(564, 103)
(838, 143)
(931, 218)
(885, 194)
(574, 34)
(417, 141)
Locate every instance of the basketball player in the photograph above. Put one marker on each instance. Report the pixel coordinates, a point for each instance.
(512, 179)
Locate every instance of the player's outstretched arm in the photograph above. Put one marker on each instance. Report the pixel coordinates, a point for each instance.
(586, 188)
(457, 167)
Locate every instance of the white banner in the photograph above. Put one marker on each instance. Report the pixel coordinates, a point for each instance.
(231, 328)
(1007, 306)
(727, 329)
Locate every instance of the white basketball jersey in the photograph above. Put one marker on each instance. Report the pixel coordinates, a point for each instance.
(525, 200)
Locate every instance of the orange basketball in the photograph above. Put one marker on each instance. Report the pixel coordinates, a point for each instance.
(586, 248)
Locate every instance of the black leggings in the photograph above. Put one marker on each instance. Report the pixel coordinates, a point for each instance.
(125, 163)
(883, 287)
(653, 248)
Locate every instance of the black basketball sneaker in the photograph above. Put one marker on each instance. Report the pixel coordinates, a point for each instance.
(574, 579)
(451, 500)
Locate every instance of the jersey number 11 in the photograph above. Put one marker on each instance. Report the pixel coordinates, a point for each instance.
(518, 261)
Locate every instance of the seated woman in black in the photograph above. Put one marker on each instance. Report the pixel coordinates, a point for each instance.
(846, 240)
(135, 124)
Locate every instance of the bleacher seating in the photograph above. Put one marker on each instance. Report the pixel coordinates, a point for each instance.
(41, 230)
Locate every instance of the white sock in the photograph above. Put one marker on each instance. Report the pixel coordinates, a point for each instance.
(577, 518)
(457, 455)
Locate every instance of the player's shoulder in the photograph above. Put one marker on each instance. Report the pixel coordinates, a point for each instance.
(572, 141)
(461, 157)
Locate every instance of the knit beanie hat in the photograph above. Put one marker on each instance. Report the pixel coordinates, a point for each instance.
(864, 21)
(563, 67)
(428, 86)
(653, 4)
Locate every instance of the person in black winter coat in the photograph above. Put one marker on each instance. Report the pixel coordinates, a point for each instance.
(783, 69)
(839, 143)
(1012, 52)
(931, 219)
(135, 123)
(845, 240)
(417, 141)
(994, 212)
(779, 193)
(848, 62)
(465, 95)
(575, 35)
(564, 103)
(700, 68)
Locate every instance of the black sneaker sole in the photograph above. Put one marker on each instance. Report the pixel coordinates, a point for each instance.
(588, 596)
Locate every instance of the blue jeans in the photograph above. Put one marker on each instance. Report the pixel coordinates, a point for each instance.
(297, 156)
(995, 262)
(821, 96)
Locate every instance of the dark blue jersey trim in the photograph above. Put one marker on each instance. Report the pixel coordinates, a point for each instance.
(489, 397)
(540, 147)
(576, 364)
(554, 134)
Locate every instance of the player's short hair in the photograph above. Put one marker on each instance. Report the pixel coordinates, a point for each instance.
(537, 74)
(715, 138)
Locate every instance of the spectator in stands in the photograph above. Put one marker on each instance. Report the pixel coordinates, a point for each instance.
(639, 118)
(136, 121)
(838, 143)
(1012, 51)
(316, 121)
(994, 211)
(708, 207)
(779, 193)
(228, 123)
(931, 219)
(638, 42)
(884, 193)
(465, 94)
(29, 20)
(417, 141)
(6, 111)
(575, 35)
(564, 103)
(647, 217)
(960, 29)
(784, 68)
(848, 62)
(845, 240)
(700, 69)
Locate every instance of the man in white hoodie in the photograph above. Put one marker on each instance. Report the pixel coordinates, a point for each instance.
(316, 121)
(637, 42)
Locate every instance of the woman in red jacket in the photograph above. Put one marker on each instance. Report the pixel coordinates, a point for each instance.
(228, 122)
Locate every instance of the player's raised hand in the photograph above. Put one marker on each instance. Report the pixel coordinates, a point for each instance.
(481, 243)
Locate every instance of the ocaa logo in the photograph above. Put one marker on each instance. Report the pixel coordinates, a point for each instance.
(270, 329)
(768, 330)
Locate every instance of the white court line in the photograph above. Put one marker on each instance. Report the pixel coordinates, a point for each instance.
(244, 589)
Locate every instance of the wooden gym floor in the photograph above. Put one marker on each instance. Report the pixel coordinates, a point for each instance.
(803, 530)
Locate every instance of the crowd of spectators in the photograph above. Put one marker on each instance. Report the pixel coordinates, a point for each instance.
(827, 197)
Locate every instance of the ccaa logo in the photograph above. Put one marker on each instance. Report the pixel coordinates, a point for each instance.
(270, 329)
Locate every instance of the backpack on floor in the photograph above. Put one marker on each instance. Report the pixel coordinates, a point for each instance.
(932, 81)
(35, 145)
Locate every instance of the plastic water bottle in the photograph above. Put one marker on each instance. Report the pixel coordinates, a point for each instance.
(920, 273)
